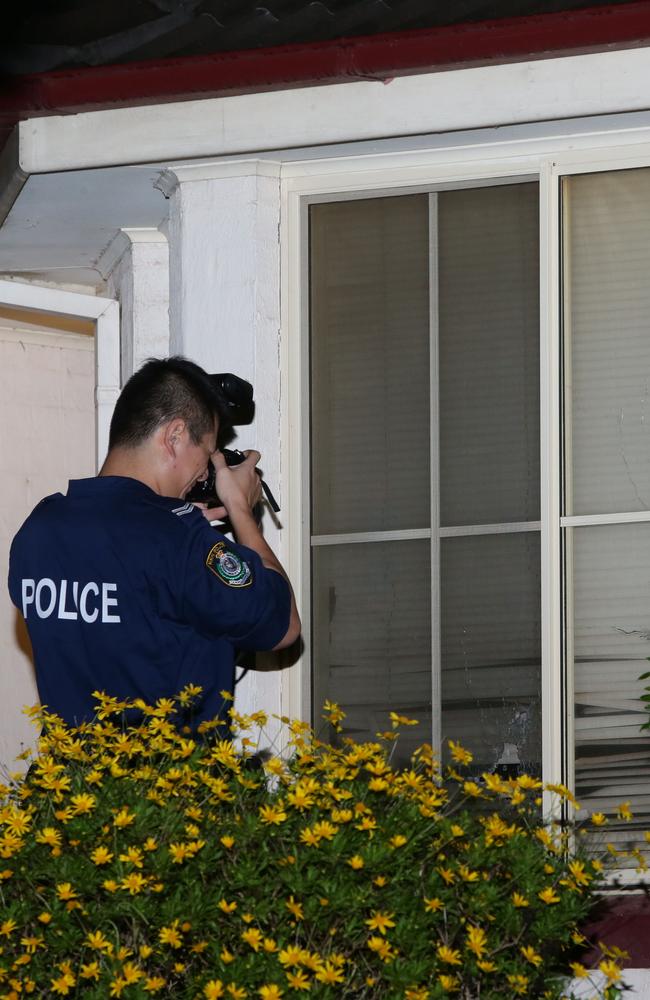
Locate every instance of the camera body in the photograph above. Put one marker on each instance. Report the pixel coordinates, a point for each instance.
(234, 396)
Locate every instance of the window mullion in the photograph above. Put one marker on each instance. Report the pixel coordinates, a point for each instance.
(434, 444)
(555, 708)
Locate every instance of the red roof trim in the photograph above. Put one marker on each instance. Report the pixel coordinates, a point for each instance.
(377, 57)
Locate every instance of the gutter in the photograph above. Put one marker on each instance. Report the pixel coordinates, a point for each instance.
(374, 57)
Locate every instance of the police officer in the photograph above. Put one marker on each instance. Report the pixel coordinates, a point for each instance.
(127, 589)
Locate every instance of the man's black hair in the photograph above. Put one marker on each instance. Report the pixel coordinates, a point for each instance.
(160, 391)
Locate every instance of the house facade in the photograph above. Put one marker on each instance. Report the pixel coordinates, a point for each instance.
(437, 282)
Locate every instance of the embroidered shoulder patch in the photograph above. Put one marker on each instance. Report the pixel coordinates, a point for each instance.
(228, 566)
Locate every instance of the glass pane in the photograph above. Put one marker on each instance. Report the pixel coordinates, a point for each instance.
(488, 289)
(611, 572)
(491, 649)
(370, 365)
(372, 629)
(607, 320)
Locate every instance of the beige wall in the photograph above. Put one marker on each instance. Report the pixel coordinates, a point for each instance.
(47, 417)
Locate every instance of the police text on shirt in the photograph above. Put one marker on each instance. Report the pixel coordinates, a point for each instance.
(89, 601)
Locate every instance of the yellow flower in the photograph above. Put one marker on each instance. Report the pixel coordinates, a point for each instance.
(270, 992)
(153, 984)
(226, 956)
(398, 840)
(531, 955)
(227, 841)
(150, 844)
(131, 972)
(96, 940)
(333, 713)
(63, 984)
(449, 955)
(253, 937)
(294, 908)
(578, 970)
(497, 830)
(459, 754)
(227, 907)
(110, 885)
(356, 862)
(269, 945)
(577, 869)
(380, 921)
(401, 720)
(486, 966)
(308, 837)
(519, 900)
(472, 789)
(330, 974)
(448, 983)
(117, 986)
(416, 993)
(548, 896)
(7, 927)
(171, 935)
(49, 835)
(132, 856)
(381, 946)
(272, 815)
(518, 983)
(123, 818)
(101, 856)
(133, 883)
(65, 891)
(31, 943)
(624, 812)
(477, 941)
(610, 970)
(17, 821)
(179, 852)
(368, 823)
(213, 990)
(83, 803)
(236, 992)
(291, 956)
(298, 980)
(325, 829)
(598, 819)
(89, 971)
(433, 905)
(45, 917)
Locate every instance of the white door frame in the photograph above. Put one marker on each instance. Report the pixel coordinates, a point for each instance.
(105, 313)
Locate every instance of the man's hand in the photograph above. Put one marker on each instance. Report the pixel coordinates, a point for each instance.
(239, 487)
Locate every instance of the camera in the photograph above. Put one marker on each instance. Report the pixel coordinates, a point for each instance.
(235, 406)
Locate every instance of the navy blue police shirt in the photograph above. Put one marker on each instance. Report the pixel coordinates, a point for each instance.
(134, 594)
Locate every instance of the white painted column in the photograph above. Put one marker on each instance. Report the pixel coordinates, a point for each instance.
(136, 268)
(224, 256)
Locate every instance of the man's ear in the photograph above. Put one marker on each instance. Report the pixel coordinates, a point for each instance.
(172, 436)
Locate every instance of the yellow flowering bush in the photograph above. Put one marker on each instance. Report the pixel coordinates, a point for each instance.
(137, 859)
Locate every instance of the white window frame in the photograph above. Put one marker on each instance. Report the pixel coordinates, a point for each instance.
(105, 313)
(536, 152)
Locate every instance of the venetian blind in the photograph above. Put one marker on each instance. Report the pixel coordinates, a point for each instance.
(371, 620)
(489, 472)
(607, 392)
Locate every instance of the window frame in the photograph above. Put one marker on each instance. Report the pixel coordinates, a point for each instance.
(546, 153)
